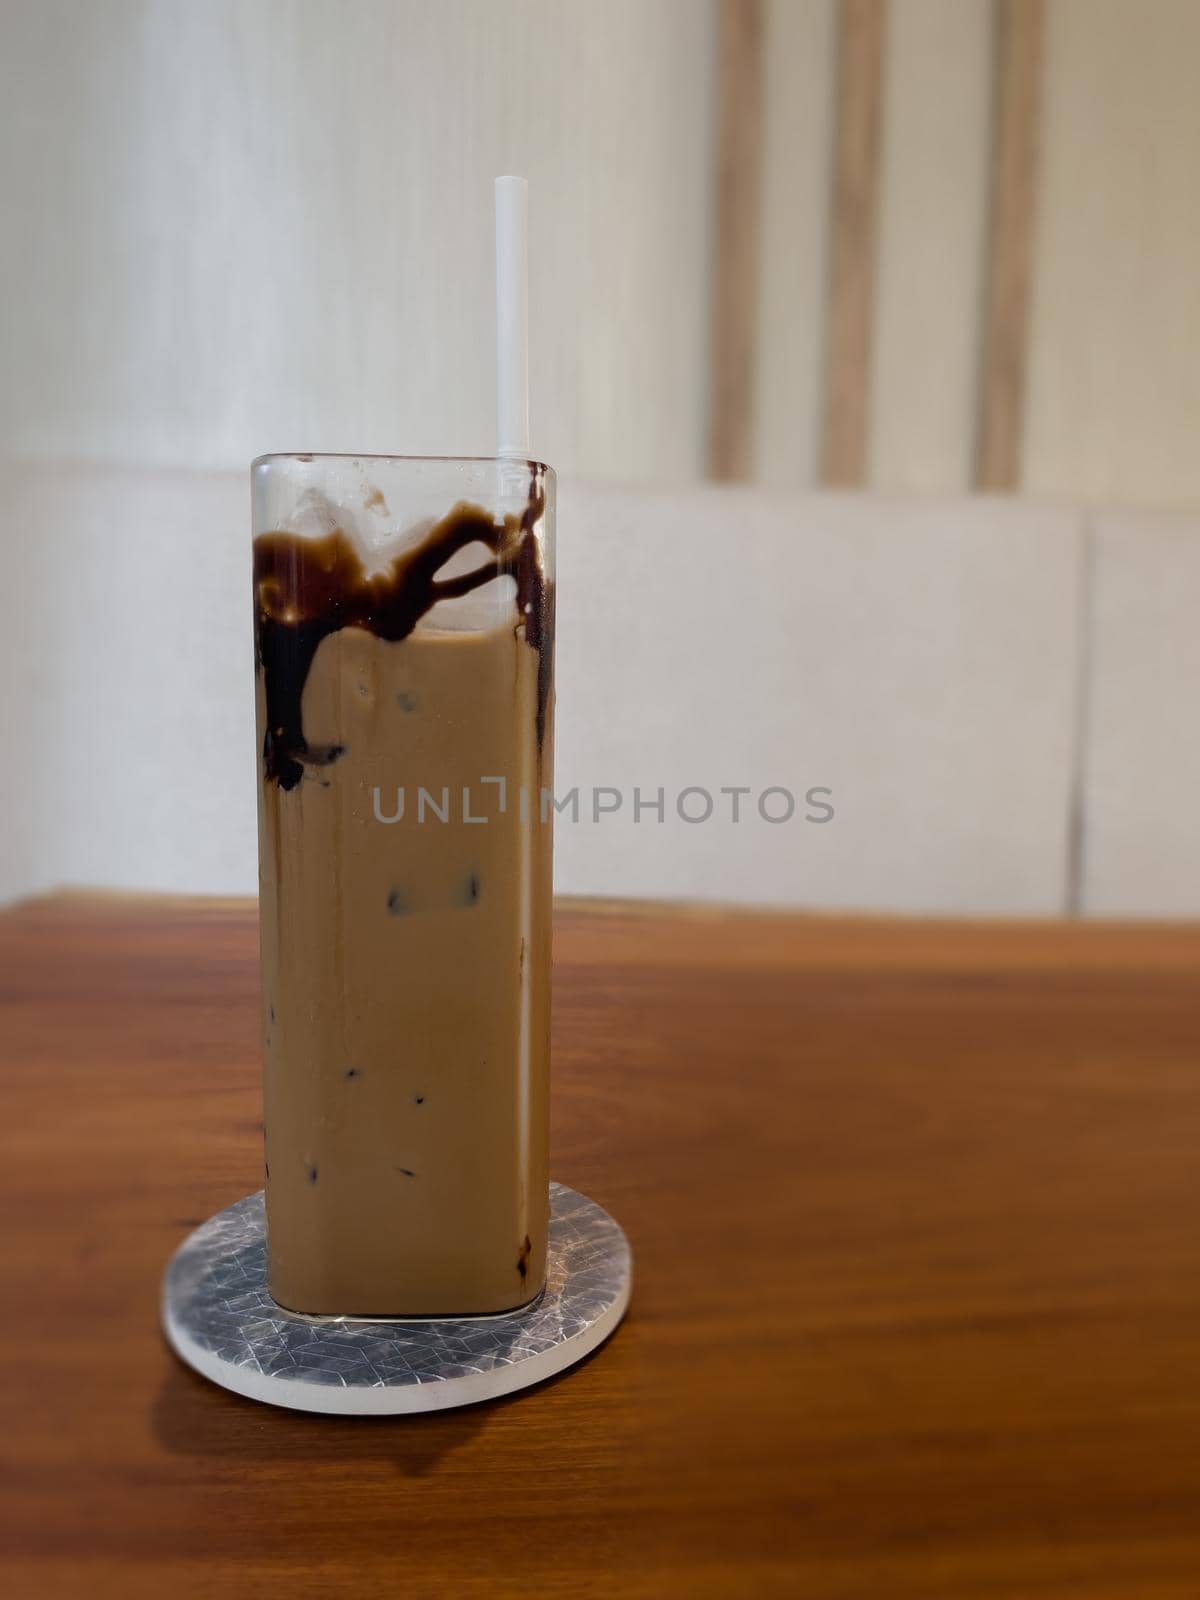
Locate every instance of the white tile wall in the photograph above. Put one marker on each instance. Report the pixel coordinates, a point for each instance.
(125, 690)
(1142, 774)
(916, 658)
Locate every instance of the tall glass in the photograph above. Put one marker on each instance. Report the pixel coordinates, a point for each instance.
(404, 638)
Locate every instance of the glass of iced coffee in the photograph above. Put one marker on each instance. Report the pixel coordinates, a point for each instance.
(404, 638)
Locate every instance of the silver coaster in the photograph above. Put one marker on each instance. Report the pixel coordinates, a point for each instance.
(219, 1318)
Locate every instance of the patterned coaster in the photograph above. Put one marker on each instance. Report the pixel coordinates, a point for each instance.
(219, 1318)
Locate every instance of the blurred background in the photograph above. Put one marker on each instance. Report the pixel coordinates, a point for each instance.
(867, 346)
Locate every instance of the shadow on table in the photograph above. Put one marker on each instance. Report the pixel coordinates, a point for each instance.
(192, 1417)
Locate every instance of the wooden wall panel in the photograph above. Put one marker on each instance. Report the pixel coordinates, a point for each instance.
(932, 231)
(854, 225)
(1011, 242)
(800, 44)
(735, 264)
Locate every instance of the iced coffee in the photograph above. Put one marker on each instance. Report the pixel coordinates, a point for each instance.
(404, 635)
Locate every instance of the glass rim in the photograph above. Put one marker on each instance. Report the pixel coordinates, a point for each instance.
(307, 456)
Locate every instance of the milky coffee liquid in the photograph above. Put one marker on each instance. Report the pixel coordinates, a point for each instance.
(405, 958)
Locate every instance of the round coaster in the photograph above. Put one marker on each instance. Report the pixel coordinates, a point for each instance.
(218, 1316)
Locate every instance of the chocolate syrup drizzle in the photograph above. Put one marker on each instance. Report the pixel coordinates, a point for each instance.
(306, 589)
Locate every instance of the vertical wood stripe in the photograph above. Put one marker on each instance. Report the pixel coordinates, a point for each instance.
(735, 267)
(1019, 31)
(855, 234)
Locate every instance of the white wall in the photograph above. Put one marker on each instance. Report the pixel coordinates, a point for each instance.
(1114, 381)
(232, 226)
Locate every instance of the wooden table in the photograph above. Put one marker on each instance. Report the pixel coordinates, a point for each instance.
(917, 1307)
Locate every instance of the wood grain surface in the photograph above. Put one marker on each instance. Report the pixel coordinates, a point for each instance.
(917, 1305)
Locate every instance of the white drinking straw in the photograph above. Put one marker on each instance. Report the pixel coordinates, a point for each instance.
(512, 316)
